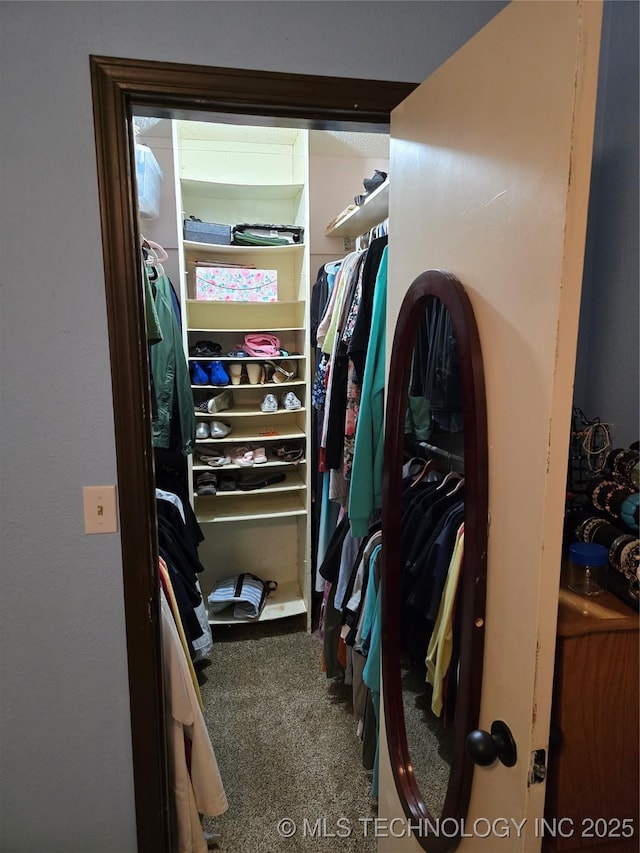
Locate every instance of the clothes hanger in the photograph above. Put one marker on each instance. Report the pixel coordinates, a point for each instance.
(452, 475)
(429, 465)
(161, 254)
(457, 487)
(153, 262)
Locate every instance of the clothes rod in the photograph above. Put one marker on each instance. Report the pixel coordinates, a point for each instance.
(450, 457)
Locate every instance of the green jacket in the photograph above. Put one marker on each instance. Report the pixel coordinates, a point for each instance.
(172, 384)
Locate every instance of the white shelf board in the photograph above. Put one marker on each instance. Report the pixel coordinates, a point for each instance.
(247, 328)
(233, 191)
(248, 412)
(244, 358)
(360, 220)
(251, 506)
(269, 464)
(267, 386)
(284, 601)
(293, 483)
(241, 433)
(215, 249)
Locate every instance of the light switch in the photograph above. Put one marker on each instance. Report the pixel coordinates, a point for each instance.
(100, 512)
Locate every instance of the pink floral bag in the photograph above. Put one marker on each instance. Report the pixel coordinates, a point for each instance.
(261, 345)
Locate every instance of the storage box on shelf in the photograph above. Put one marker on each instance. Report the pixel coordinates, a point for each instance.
(265, 530)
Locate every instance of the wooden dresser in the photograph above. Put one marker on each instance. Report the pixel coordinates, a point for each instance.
(593, 778)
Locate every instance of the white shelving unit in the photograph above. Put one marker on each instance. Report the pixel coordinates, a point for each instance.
(220, 178)
(364, 217)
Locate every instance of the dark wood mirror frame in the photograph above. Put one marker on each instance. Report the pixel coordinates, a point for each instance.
(436, 284)
(122, 88)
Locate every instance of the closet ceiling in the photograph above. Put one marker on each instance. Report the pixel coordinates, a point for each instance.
(322, 143)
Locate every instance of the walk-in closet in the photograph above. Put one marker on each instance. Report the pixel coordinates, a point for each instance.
(264, 256)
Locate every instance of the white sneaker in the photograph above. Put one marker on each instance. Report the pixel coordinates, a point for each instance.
(269, 404)
(291, 402)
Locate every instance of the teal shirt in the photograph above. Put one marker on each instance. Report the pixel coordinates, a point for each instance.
(365, 491)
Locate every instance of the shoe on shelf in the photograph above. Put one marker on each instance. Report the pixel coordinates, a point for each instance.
(199, 375)
(290, 451)
(214, 457)
(218, 429)
(259, 456)
(227, 483)
(269, 404)
(242, 456)
(377, 179)
(205, 348)
(202, 430)
(254, 371)
(291, 402)
(235, 371)
(285, 371)
(259, 481)
(206, 484)
(220, 403)
(217, 374)
(268, 368)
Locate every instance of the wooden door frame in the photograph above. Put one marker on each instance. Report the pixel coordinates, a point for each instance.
(120, 89)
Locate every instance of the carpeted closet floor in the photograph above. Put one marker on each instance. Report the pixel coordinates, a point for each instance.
(285, 740)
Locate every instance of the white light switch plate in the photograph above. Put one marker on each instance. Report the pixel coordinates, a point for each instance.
(100, 509)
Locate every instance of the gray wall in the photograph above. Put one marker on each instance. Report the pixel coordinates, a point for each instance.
(65, 737)
(66, 756)
(607, 367)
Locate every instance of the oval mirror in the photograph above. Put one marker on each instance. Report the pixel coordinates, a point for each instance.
(434, 530)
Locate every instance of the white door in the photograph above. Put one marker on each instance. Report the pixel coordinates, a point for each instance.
(490, 166)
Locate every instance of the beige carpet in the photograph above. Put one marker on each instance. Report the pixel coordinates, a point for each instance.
(285, 741)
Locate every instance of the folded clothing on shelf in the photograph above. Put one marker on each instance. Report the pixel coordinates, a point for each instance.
(263, 234)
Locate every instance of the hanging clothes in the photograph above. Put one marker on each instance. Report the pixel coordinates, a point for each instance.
(195, 784)
(365, 491)
(440, 648)
(178, 537)
(175, 423)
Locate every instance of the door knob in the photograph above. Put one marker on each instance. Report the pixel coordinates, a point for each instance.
(483, 747)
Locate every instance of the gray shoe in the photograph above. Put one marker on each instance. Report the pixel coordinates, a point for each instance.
(221, 402)
(291, 402)
(269, 404)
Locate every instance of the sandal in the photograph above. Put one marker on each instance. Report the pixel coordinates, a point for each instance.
(214, 458)
(293, 453)
(285, 371)
(242, 456)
